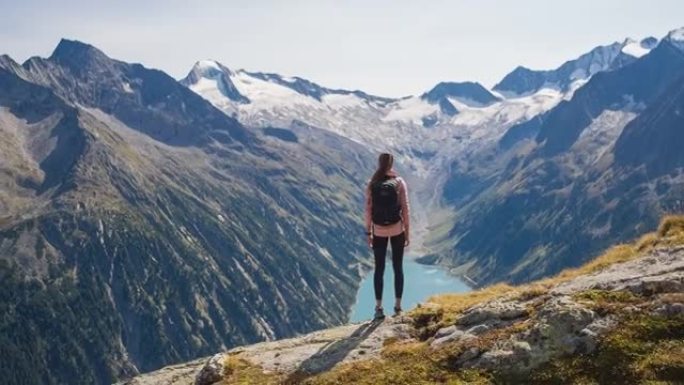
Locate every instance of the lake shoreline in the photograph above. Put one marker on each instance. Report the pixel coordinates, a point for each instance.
(422, 280)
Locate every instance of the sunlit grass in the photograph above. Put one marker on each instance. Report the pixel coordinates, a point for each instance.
(642, 349)
(445, 308)
(238, 371)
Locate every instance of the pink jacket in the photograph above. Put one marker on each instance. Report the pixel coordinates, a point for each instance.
(396, 228)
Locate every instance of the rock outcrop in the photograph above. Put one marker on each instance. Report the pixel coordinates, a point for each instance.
(514, 333)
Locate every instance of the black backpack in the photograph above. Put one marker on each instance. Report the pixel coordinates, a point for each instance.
(385, 196)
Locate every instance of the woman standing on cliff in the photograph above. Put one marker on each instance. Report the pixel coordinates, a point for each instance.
(387, 221)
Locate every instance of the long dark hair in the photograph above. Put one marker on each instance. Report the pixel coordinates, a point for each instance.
(385, 162)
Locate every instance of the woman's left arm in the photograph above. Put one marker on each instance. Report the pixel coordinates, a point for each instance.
(405, 208)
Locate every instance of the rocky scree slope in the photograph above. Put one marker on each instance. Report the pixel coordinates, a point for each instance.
(617, 320)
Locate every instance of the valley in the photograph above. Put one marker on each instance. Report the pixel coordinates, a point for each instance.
(512, 183)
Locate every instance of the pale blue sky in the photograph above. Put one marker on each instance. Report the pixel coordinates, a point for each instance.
(388, 47)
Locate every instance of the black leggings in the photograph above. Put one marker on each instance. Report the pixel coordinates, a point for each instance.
(380, 251)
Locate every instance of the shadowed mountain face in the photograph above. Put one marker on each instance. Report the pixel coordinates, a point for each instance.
(600, 167)
(468, 92)
(629, 88)
(140, 226)
(654, 139)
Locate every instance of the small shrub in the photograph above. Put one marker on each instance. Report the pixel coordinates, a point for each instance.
(533, 291)
(238, 371)
(608, 302)
(620, 296)
(671, 225)
(647, 242)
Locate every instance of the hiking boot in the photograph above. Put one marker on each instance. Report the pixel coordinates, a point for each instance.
(397, 311)
(379, 314)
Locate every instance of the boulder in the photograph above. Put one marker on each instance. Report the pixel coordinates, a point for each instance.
(212, 372)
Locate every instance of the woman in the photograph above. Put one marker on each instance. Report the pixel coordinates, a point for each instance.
(387, 221)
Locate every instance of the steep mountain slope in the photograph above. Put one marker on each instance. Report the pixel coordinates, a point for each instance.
(654, 139)
(141, 226)
(584, 181)
(617, 320)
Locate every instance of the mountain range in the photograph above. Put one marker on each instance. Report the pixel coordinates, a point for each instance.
(146, 220)
(139, 225)
(518, 181)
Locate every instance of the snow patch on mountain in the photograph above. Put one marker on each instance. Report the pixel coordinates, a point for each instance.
(677, 34)
(510, 111)
(211, 91)
(268, 95)
(598, 138)
(410, 110)
(635, 48)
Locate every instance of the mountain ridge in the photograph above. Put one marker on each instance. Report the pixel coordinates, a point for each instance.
(524, 80)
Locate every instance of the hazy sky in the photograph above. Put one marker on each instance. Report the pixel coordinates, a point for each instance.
(389, 48)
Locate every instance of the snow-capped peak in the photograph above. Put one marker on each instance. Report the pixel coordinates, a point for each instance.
(677, 34)
(213, 75)
(469, 93)
(206, 64)
(676, 38)
(210, 69)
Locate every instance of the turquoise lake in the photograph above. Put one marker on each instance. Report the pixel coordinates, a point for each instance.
(420, 282)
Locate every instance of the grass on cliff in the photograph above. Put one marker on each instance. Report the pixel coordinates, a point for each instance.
(445, 308)
(402, 363)
(238, 371)
(642, 349)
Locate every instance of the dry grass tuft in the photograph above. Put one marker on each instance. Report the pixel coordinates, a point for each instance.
(670, 233)
(647, 242)
(616, 254)
(606, 302)
(238, 371)
(531, 291)
(671, 225)
(404, 363)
